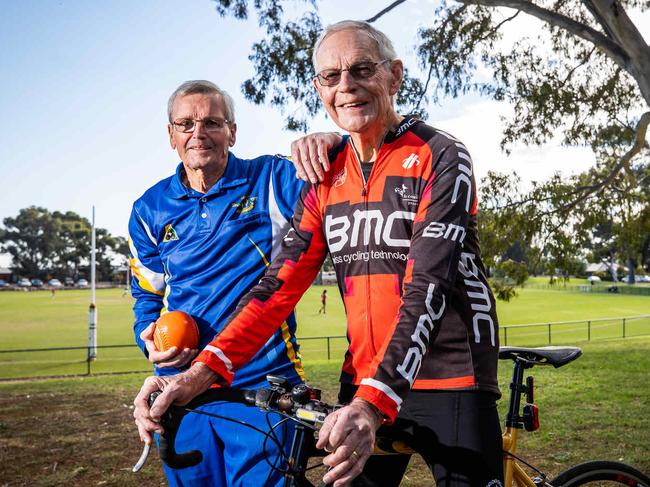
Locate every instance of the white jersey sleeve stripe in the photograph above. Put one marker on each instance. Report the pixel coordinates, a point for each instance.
(148, 230)
(148, 279)
(279, 224)
(222, 356)
(383, 388)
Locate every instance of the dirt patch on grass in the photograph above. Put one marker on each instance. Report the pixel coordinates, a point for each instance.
(84, 439)
(57, 439)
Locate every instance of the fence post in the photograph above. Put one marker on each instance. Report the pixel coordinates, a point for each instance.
(88, 360)
(623, 327)
(505, 335)
(589, 330)
(549, 333)
(328, 348)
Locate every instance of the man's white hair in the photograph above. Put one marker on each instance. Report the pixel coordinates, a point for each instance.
(203, 87)
(384, 44)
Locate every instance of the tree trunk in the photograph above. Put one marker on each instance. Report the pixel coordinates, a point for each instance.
(631, 266)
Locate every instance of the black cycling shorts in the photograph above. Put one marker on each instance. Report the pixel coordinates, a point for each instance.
(457, 433)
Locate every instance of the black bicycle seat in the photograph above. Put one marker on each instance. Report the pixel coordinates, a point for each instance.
(555, 356)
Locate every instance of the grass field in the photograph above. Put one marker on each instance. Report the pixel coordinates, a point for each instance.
(79, 432)
(35, 319)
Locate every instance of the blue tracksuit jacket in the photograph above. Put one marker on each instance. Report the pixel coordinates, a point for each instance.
(200, 253)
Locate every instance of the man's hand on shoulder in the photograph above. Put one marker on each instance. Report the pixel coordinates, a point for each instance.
(169, 358)
(309, 155)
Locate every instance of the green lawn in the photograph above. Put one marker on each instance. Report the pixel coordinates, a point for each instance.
(593, 408)
(36, 319)
(542, 306)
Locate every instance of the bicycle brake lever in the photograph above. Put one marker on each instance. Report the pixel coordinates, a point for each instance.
(143, 458)
(147, 447)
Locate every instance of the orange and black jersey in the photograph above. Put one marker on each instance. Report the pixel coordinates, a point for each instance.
(404, 244)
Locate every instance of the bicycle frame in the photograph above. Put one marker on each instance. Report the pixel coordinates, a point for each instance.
(303, 405)
(514, 422)
(524, 359)
(512, 471)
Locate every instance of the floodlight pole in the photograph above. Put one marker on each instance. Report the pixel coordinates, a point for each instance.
(92, 309)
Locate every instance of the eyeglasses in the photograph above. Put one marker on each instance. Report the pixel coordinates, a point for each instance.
(362, 70)
(188, 125)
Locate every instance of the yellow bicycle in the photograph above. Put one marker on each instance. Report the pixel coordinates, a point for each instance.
(525, 416)
(519, 417)
(302, 405)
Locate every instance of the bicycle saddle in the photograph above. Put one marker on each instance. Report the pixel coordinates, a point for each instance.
(555, 356)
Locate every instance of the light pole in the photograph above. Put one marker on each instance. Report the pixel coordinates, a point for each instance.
(92, 309)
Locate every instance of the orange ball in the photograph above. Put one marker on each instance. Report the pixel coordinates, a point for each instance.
(176, 329)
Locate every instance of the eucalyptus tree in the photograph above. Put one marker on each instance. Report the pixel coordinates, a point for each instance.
(584, 71)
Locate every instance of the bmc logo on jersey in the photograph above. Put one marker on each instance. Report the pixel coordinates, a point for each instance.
(448, 231)
(421, 336)
(341, 230)
(410, 161)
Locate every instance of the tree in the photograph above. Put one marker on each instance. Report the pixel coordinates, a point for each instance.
(110, 251)
(31, 240)
(44, 244)
(74, 243)
(555, 231)
(504, 223)
(619, 220)
(586, 71)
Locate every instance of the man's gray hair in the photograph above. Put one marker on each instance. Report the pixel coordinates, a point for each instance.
(202, 87)
(384, 44)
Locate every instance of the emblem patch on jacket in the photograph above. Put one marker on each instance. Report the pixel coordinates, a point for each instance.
(246, 204)
(170, 233)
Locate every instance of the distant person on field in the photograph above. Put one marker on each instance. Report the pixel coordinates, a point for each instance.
(323, 301)
(200, 239)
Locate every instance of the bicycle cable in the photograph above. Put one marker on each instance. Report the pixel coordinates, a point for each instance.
(543, 475)
(272, 428)
(232, 420)
(272, 433)
(267, 435)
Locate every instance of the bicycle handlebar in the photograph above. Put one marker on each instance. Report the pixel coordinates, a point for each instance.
(300, 403)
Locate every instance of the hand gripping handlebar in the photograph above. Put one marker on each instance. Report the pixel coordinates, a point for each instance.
(300, 402)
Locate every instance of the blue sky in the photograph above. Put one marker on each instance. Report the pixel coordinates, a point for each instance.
(84, 86)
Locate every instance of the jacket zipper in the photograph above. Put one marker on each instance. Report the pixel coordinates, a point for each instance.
(364, 194)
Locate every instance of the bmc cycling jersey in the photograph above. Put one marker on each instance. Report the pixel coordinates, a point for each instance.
(405, 249)
(200, 253)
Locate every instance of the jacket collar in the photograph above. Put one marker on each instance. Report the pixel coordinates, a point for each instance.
(404, 126)
(234, 175)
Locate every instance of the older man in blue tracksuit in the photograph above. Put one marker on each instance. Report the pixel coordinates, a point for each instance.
(200, 240)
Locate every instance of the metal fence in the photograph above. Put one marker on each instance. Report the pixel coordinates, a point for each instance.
(123, 359)
(602, 287)
(566, 332)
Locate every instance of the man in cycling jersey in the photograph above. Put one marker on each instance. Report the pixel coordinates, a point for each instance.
(200, 240)
(397, 213)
